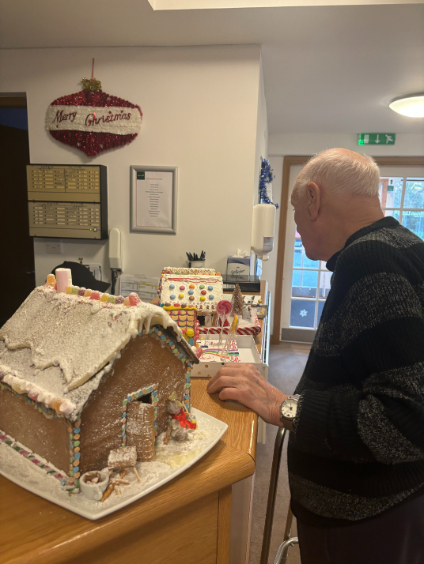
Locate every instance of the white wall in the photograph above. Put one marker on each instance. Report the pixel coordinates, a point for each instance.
(200, 107)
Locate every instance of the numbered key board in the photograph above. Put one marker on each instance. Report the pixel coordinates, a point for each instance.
(67, 201)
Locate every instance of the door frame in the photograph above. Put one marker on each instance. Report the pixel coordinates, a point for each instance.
(288, 162)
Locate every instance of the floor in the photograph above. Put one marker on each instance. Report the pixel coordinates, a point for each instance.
(287, 362)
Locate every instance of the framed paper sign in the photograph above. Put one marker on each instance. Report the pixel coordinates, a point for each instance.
(154, 199)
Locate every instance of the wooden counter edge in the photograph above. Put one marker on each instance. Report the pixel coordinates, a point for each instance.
(219, 469)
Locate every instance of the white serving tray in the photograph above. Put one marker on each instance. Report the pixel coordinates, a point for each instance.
(248, 354)
(171, 461)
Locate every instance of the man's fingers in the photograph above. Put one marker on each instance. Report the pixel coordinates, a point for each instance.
(222, 382)
(229, 370)
(229, 394)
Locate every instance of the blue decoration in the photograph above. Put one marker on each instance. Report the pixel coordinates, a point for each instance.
(265, 177)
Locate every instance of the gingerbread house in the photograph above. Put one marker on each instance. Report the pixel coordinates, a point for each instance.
(71, 367)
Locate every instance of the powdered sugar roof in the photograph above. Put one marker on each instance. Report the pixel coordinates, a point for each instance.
(77, 334)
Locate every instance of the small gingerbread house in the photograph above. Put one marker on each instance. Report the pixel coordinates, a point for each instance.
(72, 369)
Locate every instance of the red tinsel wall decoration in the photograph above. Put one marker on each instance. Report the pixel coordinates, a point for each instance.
(93, 121)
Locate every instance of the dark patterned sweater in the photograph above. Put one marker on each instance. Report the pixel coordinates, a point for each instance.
(358, 443)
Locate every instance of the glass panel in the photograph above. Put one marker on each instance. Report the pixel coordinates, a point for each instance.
(414, 220)
(392, 213)
(296, 281)
(324, 283)
(308, 263)
(304, 283)
(299, 256)
(297, 261)
(302, 313)
(390, 192)
(320, 308)
(414, 194)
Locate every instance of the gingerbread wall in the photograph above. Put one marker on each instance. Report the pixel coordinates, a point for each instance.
(48, 438)
(145, 361)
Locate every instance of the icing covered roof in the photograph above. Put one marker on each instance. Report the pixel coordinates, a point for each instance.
(69, 342)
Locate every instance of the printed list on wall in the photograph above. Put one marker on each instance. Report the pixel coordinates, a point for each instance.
(154, 199)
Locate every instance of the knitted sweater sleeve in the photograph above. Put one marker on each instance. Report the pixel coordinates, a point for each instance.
(376, 410)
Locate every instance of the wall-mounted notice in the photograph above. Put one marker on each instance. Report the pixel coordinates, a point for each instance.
(153, 199)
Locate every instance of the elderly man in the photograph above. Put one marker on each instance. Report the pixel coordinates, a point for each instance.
(356, 449)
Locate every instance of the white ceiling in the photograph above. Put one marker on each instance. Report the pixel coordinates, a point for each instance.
(327, 69)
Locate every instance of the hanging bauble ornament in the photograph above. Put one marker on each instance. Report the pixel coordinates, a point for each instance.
(93, 121)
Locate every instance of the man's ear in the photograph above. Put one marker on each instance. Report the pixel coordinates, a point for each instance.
(314, 200)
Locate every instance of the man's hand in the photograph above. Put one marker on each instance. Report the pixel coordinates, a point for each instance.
(245, 384)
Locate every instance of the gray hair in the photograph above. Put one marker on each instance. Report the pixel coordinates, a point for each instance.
(341, 172)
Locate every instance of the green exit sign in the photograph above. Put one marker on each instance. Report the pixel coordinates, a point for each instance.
(376, 138)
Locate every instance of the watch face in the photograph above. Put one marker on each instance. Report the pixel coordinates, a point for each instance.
(288, 408)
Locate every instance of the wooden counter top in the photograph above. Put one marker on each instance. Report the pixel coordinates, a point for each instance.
(33, 530)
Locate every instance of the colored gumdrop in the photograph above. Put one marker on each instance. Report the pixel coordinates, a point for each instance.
(75, 290)
(127, 302)
(69, 290)
(51, 280)
(134, 299)
(81, 292)
(95, 296)
(111, 299)
(119, 300)
(218, 274)
(88, 293)
(104, 298)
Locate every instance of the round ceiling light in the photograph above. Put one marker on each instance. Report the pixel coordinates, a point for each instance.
(411, 106)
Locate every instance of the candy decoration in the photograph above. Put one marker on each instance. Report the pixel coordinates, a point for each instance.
(182, 287)
(119, 300)
(134, 299)
(95, 296)
(223, 307)
(51, 280)
(203, 292)
(181, 296)
(63, 278)
(69, 290)
(210, 288)
(126, 302)
(81, 292)
(93, 121)
(88, 293)
(104, 298)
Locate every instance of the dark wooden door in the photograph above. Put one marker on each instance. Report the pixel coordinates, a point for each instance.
(17, 276)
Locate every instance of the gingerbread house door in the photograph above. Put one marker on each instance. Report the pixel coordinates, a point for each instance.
(140, 429)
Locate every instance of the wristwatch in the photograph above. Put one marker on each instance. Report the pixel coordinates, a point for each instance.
(288, 408)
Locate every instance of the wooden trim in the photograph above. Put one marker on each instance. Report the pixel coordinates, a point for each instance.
(287, 163)
(224, 520)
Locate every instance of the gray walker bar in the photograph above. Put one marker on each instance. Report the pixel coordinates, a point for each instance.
(288, 541)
